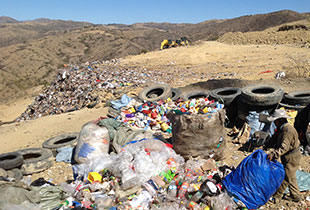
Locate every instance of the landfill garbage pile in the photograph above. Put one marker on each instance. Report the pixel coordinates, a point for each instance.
(147, 174)
(152, 116)
(78, 86)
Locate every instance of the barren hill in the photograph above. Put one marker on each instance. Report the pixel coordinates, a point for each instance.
(5, 19)
(31, 52)
(13, 32)
(295, 33)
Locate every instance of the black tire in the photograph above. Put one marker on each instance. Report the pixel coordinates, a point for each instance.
(195, 94)
(301, 121)
(11, 160)
(63, 140)
(294, 107)
(301, 98)
(155, 93)
(262, 95)
(36, 160)
(243, 109)
(227, 94)
(175, 94)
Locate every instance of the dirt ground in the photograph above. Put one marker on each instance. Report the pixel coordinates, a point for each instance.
(193, 64)
(214, 60)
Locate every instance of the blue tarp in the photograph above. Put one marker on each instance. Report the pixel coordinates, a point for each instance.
(122, 102)
(255, 179)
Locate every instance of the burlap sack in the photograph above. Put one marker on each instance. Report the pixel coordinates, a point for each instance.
(199, 135)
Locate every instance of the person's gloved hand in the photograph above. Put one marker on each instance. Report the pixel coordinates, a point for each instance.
(270, 157)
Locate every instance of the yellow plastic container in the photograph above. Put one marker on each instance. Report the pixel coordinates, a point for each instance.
(94, 177)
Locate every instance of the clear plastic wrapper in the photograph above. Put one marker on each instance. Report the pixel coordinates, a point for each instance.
(140, 161)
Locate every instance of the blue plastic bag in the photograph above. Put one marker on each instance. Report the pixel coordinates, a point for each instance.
(124, 101)
(255, 179)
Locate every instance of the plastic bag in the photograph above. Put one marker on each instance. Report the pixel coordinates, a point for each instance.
(222, 202)
(255, 179)
(25, 206)
(46, 198)
(148, 158)
(93, 141)
(96, 164)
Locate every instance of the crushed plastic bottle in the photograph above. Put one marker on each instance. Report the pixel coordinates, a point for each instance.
(172, 191)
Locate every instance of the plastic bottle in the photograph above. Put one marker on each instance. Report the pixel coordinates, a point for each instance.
(190, 205)
(151, 187)
(197, 196)
(183, 189)
(193, 187)
(143, 200)
(193, 205)
(172, 190)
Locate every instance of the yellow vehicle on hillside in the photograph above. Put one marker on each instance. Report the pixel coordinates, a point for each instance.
(167, 43)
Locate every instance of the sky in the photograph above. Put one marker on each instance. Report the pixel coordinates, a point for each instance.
(137, 11)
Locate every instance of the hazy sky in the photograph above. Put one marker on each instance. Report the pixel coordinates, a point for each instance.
(133, 11)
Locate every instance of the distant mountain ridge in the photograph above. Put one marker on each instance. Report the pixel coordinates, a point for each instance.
(5, 19)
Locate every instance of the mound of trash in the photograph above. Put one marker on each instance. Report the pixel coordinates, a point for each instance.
(79, 86)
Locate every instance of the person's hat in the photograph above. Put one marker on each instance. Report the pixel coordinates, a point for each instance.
(277, 114)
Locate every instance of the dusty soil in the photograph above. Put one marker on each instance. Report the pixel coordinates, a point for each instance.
(193, 64)
(214, 60)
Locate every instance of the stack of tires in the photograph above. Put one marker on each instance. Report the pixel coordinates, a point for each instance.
(34, 160)
(25, 162)
(259, 98)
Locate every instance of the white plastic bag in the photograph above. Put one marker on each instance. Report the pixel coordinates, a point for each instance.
(93, 141)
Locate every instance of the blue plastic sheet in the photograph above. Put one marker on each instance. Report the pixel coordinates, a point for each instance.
(64, 154)
(124, 101)
(255, 179)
